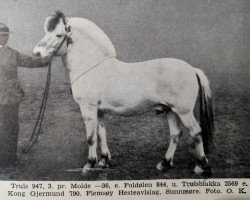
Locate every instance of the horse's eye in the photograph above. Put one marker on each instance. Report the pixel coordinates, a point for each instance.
(59, 35)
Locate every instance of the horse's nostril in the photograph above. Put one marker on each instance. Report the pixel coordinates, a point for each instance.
(38, 54)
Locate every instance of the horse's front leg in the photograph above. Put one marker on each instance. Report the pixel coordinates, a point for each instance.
(105, 160)
(89, 114)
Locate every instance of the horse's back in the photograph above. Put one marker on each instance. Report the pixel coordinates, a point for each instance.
(166, 68)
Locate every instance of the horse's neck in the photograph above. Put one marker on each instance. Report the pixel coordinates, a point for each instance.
(81, 58)
(88, 48)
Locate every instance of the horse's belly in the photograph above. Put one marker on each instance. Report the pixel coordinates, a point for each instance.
(118, 108)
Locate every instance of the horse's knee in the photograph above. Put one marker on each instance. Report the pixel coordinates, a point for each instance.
(175, 138)
(89, 119)
(91, 139)
(91, 129)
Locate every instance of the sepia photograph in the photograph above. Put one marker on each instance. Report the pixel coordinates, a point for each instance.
(102, 90)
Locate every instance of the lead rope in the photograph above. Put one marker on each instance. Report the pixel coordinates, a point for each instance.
(90, 69)
(37, 128)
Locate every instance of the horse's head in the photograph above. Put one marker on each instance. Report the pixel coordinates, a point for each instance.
(57, 37)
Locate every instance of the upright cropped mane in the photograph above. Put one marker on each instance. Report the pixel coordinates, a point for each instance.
(53, 20)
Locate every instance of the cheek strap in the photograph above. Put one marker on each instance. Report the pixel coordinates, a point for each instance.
(69, 33)
(67, 38)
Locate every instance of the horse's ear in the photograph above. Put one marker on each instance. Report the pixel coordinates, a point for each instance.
(46, 23)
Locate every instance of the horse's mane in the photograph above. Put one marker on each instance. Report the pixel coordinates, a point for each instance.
(53, 20)
(93, 33)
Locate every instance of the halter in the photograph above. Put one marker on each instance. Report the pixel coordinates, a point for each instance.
(67, 37)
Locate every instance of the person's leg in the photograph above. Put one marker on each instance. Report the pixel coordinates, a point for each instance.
(9, 129)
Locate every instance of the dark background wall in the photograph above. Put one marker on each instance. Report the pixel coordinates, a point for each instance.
(209, 34)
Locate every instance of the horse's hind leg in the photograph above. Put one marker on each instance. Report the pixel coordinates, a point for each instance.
(175, 133)
(194, 129)
(105, 160)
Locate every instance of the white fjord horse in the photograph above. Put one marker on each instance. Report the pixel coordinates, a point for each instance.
(102, 84)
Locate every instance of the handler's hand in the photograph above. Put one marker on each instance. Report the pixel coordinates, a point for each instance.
(46, 61)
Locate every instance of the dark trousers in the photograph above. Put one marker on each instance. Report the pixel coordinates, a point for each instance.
(9, 128)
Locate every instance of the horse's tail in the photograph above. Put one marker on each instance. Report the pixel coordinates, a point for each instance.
(206, 111)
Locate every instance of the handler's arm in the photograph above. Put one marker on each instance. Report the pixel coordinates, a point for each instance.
(31, 62)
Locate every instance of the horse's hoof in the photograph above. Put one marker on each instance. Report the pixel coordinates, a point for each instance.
(203, 168)
(85, 171)
(103, 165)
(159, 166)
(206, 173)
(164, 165)
(104, 162)
(88, 166)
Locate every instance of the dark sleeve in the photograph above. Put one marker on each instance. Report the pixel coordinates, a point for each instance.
(29, 62)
